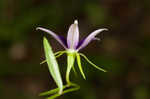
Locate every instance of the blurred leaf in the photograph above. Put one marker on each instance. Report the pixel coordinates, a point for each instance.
(52, 65)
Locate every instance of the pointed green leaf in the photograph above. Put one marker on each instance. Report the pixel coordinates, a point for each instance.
(52, 65)
(79, 65)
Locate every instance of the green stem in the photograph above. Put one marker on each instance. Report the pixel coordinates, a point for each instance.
(75, 88)
(67, 77)
(53, 91)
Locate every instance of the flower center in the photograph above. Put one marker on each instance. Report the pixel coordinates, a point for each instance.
(71, 51)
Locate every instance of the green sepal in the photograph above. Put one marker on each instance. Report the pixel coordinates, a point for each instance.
(60, 53)
(79, 65)
(92, 63)
(57, 54)
(43, 62)
(70, 63)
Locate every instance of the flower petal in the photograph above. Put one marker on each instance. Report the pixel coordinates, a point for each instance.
(60, 39)
(73, 35)
(81, 41)
(90, 38)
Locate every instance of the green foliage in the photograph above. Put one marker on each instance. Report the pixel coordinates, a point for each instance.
(52, 65)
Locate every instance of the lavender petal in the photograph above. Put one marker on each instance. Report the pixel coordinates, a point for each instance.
(58, 38)
(73, 35)
(63, 40)
(90, 38)
(81, 41)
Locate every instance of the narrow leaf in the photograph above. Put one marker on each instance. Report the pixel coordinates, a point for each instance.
(52, 65)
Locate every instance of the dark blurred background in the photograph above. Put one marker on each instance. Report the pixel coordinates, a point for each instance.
(124, 50)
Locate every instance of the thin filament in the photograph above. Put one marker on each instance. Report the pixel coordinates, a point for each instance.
(92, 63)
(57, 54)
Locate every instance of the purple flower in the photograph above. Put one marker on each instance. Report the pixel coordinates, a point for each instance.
(72, 45)
(72, 42)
